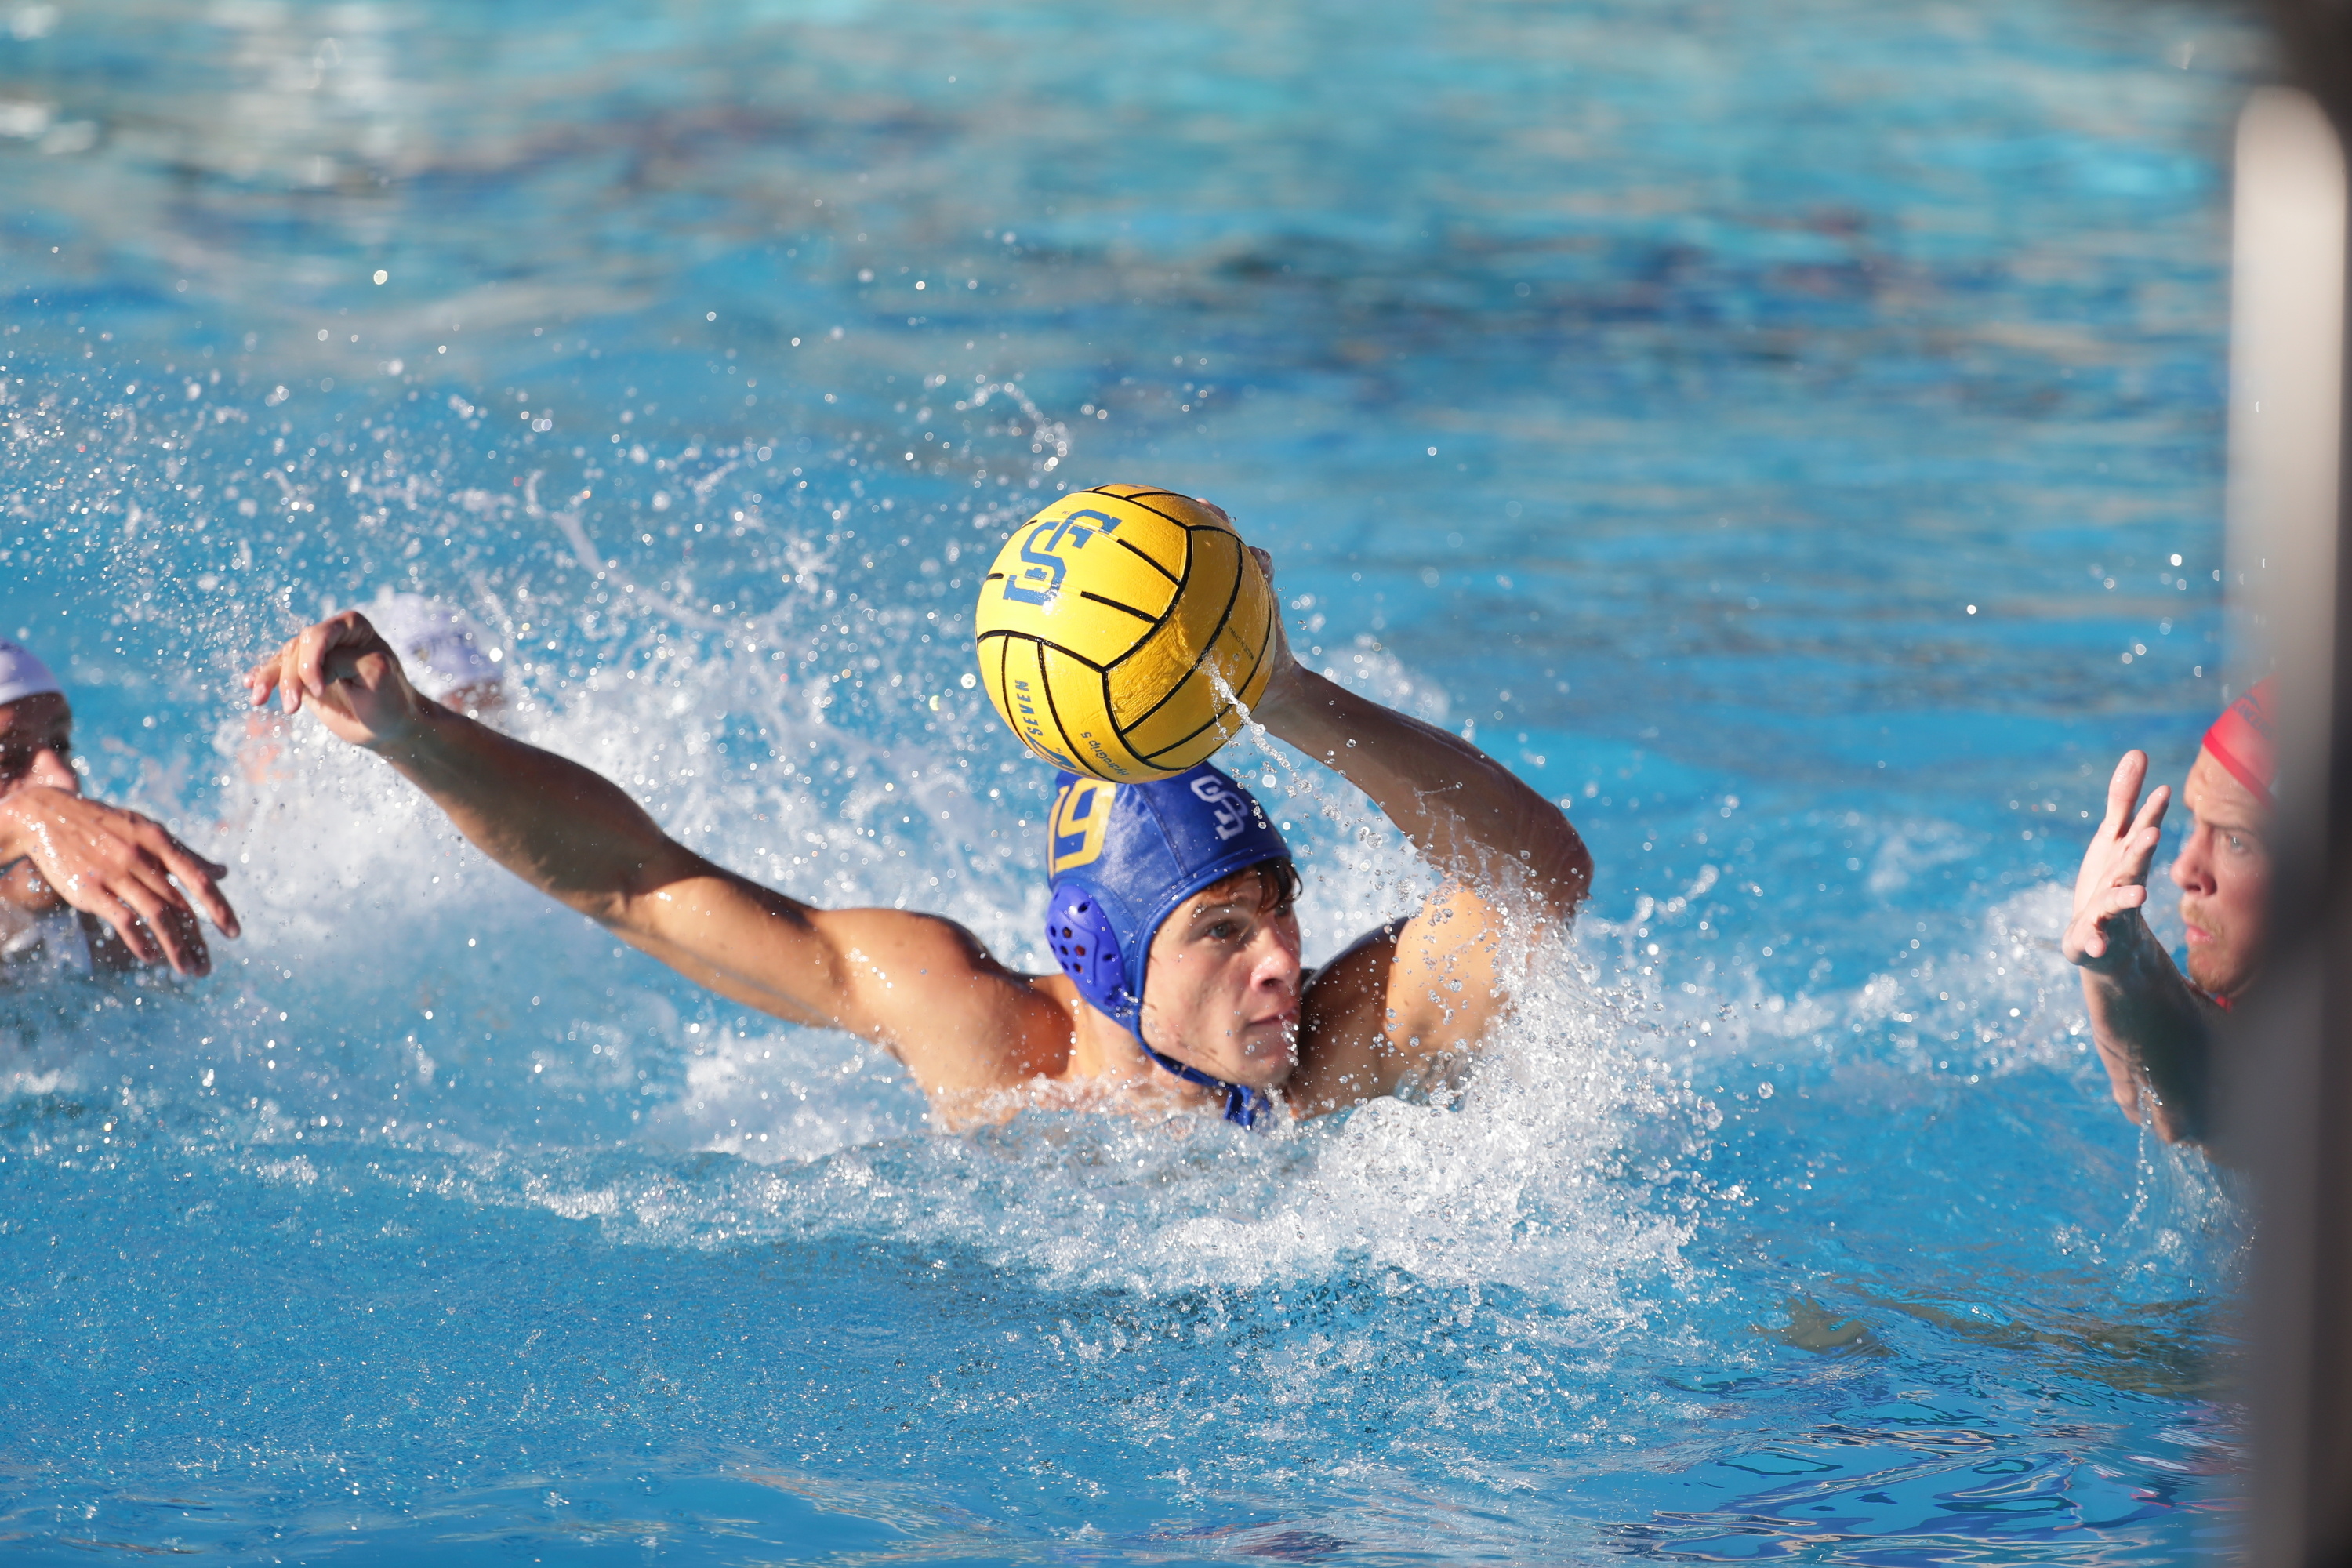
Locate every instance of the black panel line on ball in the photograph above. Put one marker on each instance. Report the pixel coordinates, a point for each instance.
(1145, 557)
(1208, 648)
(1240, 575)
(1148, 618)
(1041, 642)
(1214, 719)
(1165, 697)
(1175, 600)
(1137, 501)
(1054, 708)
(1190, 556)
(1065, 652)
(1144, 640)
(1265, 643)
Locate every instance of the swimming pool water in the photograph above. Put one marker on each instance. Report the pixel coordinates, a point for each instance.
(1770, 428)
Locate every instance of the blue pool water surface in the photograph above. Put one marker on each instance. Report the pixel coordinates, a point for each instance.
(1789, 434)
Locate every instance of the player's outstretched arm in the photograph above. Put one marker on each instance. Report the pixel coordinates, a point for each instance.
(1512, 866)
(921, 985)
(2151, 1026)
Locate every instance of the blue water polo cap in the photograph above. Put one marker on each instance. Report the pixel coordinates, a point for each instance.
(1121, 857)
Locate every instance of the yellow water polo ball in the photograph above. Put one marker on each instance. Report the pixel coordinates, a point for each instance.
(1117, 629)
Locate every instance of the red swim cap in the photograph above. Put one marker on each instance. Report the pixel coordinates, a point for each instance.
(2240, 741)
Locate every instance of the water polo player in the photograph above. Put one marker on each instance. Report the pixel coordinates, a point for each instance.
(2153, 1025)
(447, 657)
(1170, 910)
(63, 857)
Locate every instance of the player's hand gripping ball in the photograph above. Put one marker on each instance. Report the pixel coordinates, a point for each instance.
(1118, 629)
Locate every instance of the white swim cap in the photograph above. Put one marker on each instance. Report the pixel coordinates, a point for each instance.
(439, 646)
(22, 674)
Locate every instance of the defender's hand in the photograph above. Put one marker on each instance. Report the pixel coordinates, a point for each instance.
(350, 675)
(123, 868)
(2112, 884)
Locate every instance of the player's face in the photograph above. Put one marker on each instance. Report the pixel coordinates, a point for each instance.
(1223, 989)
(36, 745)
(2223, 872)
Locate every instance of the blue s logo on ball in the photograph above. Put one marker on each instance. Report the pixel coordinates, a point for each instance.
(1041, 579)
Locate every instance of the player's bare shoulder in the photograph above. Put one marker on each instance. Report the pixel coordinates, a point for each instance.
(1345, 1054)
(933, 995)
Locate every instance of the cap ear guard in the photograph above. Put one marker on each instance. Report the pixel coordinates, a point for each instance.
(1086, 945)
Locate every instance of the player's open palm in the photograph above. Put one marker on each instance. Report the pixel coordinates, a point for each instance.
(2112, 884)
(123, 868)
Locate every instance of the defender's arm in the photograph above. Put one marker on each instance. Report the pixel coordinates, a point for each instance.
(2153, 1029)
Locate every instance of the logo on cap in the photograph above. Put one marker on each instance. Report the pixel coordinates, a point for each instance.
(1230, 811)
(1081, 816)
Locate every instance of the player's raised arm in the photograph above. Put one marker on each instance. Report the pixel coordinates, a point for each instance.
(1512, 865)
(1475, 821)
(919, 985)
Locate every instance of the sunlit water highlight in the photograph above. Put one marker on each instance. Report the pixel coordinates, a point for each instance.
(1648, 392)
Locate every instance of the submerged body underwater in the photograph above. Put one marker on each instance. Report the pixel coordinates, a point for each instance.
(1801, 464)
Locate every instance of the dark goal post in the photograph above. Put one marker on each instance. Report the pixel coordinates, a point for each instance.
(2287, 1072)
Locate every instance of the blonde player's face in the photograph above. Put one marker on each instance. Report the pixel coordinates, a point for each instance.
(1222, 992)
